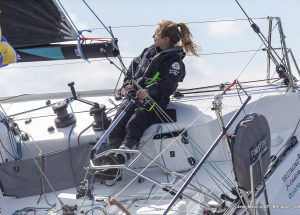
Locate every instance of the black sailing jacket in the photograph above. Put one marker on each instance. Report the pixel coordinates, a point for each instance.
(159, 71)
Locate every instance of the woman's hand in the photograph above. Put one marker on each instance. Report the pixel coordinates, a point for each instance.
(142, 94)
(126, 89)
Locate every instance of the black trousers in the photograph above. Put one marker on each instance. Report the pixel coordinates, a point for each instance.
(131, 126)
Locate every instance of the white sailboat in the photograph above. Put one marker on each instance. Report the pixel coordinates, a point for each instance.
(229, 149)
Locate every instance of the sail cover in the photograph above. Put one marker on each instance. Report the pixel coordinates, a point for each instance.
(250, 141)
(34, 22)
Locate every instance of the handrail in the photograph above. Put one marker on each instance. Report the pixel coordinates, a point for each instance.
(210, 150)
(141, 174)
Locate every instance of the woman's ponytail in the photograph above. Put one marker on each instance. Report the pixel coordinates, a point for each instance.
(186, 38)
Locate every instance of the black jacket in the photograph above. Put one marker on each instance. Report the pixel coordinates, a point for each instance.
(159, 71)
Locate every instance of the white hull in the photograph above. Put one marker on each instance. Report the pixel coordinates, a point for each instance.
(280, 109)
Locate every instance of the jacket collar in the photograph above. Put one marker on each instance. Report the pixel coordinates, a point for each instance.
(175, 50)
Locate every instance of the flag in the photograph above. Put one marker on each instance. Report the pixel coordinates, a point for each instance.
(7, 53)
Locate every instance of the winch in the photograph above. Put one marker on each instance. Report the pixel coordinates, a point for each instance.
(63, 119)
(101, 121)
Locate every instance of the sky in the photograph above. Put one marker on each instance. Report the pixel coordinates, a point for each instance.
(203, 18)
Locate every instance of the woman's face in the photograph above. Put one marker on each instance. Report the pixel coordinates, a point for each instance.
(161, 42)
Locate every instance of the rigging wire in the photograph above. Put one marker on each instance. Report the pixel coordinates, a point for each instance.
(255, 54)
(200, 22)
(74, 124)
(281, 61)
(213, 165)
(243, 70)
(256, 29)
(156, 108)
(159, 110)
(248, 62)
(79, 33)
(99, 19)
(125, 57)
(176, 139)
(223, 85)
(30, 209)
(13, 97)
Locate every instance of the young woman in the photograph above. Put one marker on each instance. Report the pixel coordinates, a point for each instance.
(156, 72)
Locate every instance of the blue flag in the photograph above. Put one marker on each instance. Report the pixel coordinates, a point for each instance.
(7, 53)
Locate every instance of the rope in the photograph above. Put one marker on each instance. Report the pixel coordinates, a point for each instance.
(84, 130)
(264, 90)
(33, 142)
(99, 19)
(161, 152)
(117, 203)
(1, 156)
(156, 109)
(85, 195)
(69, 145)
(230, 166)
(156, 157)
(79, 33)
(42, 162)
(211, 163)
(6, 151)
(159, 110)
(12, 140)
(29, 209)
(79, 46)
(50, 185)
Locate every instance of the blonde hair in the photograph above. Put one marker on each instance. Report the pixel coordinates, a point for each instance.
(177, 32)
